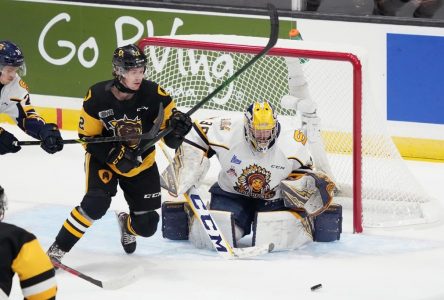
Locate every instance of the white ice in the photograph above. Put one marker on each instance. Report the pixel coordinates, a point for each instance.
(405, 263)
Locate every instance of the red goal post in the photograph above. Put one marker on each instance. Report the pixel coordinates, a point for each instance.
(166, 61)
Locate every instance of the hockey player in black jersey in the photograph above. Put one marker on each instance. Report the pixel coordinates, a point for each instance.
(126, 105)
(21, 253)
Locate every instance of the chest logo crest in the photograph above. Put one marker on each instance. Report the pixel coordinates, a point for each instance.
(255, 182)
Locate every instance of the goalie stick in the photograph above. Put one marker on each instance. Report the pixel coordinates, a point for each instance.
(112, 284)
(201, 212)
(274, 32)
(107, 139)
(221, 245)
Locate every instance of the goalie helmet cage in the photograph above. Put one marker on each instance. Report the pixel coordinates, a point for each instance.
(373, 179)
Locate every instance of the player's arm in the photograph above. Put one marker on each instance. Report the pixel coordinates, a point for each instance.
(299, 99)
(32, 265)
(91, 126)
(32, 123)
(8, 142)
(179, 121)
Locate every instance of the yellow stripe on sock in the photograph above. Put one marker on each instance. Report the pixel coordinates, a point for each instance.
(81, 217)
(72, 230)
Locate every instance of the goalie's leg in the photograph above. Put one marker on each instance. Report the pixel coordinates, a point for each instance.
(287, 230)
(179, 223)
(242, 208)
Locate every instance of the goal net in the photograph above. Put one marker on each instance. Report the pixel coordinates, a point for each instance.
(373, 179)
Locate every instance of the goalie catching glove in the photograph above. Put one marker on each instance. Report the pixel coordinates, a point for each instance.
(308, 190)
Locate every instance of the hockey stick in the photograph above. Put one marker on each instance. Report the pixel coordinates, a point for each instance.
(112, 284)
(201, 212)
(107, 139)
(221, 245)
(274, 32)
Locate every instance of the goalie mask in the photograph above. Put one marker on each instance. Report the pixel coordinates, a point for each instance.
(261, 126)
(12, 56)
(126, 58)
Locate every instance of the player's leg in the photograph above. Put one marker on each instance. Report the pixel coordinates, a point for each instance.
(232, 213)
(292, 228)
(242, 208)
(142, 193)
(101, 186)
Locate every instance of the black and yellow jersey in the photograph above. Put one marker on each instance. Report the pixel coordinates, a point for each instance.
(103, 114)
(21, 253)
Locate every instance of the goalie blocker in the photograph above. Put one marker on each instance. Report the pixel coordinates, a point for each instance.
(309, 216)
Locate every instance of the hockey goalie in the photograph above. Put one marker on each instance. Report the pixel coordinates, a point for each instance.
(267, 187)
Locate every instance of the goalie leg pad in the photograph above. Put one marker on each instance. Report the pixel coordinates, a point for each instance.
(287, 230)
(328, 225)
(243, 208)
(175, 220)
(224, 220)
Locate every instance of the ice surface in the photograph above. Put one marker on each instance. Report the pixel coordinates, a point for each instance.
(402, 263)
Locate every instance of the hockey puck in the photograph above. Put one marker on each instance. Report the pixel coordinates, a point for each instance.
(316, 287)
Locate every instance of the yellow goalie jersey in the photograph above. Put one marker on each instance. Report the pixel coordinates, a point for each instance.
(246, 171)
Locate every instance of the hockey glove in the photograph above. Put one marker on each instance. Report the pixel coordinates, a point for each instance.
(8, 142)
(51, 139)
(123, 158)
(181, 124)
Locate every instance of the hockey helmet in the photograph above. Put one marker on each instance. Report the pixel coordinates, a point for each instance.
(11, 55)
(261, 126)
(126, 58)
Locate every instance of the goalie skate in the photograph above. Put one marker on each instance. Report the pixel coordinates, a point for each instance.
(127, 239)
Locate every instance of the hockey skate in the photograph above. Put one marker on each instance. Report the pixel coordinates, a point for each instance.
(127, 239)
(55, 253)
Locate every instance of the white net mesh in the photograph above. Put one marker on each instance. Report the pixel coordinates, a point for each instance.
(390, 195)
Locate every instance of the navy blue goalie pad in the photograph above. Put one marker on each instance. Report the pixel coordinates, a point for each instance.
(175, 225)
(328, 225)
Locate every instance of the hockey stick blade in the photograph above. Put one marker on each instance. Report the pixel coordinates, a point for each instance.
(112, 284)
(151, 134)
(124, 280)
(274, 33)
